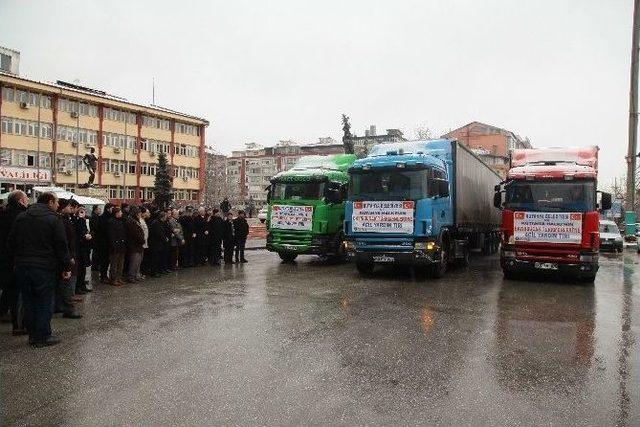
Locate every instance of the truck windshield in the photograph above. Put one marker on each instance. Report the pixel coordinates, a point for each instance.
(298, 190)
(388, 185)
(551, 196)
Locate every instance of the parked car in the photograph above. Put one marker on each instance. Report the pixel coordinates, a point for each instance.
(610, 237)
(262, 215)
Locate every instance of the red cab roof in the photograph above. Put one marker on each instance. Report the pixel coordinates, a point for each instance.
(554, 163)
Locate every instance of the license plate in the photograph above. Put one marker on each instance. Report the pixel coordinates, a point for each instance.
(290, 247)
(546, 265)
(383, 258)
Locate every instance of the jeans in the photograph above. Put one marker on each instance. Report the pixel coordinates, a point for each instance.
(240, 242)
(133, 270)
(116, 259)
(38, 287)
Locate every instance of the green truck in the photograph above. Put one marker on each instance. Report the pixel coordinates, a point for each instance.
(306, 208)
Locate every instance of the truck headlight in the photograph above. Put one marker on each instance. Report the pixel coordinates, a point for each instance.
(589, 258)
(424, 246)
(349, 246)
(509, 254)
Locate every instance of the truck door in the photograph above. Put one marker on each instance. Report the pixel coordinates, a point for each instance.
(438, 187)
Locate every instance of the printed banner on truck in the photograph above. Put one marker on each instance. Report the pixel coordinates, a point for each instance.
(382, 217)
(287, 217)
(547, 227)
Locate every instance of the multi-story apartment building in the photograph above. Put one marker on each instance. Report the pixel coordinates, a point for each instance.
(492, 144)
(249, 171)
(48, 128)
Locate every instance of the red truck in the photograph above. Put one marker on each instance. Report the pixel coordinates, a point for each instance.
(550, 216)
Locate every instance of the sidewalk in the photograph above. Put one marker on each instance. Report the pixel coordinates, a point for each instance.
(255, 244)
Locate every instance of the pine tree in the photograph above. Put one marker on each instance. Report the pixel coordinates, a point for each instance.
(163, 187)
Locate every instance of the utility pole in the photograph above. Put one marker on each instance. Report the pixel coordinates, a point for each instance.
(633, 111)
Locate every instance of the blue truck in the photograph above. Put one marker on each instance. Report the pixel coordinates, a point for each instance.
(425, 204)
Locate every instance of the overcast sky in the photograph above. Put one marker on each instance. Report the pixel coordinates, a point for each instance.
(555, 71)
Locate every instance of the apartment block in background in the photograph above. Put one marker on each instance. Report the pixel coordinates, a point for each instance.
(47, 128)
(249, 171)
(492, 144)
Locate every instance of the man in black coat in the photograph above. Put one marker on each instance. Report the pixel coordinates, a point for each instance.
(225, 207)
(201, 236)
(227, 238)
(102, 242)
(216, 231)
(240, 233)
(186, 252)
(38, 245)
(66, 287)
(157, 241)
(17, 203)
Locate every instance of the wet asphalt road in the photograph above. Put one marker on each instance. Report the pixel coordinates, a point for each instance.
(269, 343)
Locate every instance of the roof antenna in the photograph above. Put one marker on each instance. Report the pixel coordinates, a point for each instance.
(153, 91)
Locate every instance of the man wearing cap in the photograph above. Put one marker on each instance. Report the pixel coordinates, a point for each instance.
(38, 245)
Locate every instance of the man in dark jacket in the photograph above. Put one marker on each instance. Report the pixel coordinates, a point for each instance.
(102, 242)
(66, 287)
(240, 233)
(157, 242)
(117, 247)
(38, 244)
(186, 253)
(216, 230)
(83, 250)
(17, 203)
(227, 238)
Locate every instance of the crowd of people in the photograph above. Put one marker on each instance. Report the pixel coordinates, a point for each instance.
(49, 249)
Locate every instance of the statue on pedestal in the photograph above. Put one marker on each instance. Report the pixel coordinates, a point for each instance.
(91, 162)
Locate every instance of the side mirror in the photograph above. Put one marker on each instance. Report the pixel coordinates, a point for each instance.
(497, 199)
(333, 195)
(605, 201)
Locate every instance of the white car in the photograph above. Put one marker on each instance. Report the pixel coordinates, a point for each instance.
(262, 214)
(610, 237)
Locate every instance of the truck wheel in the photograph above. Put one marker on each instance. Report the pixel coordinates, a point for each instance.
(339, 254)
(588, 280)
(365, 268)
(509, 275)
(287, 256)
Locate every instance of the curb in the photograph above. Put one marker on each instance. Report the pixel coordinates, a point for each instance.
(255, 248)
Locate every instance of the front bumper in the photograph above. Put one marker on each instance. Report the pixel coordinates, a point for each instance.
(401, 258)
(319, 245)
(573, 268)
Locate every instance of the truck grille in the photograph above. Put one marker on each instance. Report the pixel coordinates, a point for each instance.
(283, 237)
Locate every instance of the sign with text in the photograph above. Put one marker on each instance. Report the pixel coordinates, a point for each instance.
(547, 227)
(288, 217)
(18, 174)
(383, 217)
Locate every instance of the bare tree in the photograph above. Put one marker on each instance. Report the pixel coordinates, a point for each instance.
(422, 132)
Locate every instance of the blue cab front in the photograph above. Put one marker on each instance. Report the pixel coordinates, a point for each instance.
(399, 203)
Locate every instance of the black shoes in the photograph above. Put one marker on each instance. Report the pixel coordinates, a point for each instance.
(244, 260)
(72, 316)
(48, 342)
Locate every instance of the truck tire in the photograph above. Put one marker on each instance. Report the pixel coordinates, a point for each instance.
(287, 256)
(338, 256)
(439, 269)
(588, 280)
(365, 268)
(510, 275)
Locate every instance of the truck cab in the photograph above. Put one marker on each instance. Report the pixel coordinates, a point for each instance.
(550, 217)
(420, 204)
(306, 208)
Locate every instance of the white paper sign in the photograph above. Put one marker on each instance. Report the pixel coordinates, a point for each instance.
(287, 217)
(548, 227)
(383, 217)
